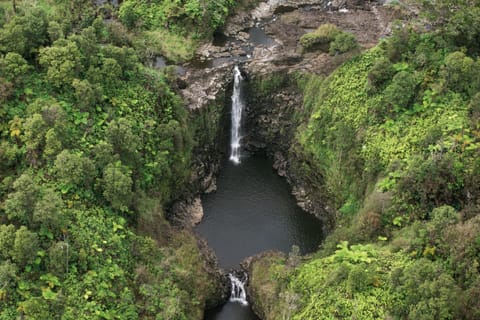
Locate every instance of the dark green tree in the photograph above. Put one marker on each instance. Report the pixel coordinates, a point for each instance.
(59, 257)
(121, 136)
(87, 94)
(461, 73)
(21, 203)
(75, 169)
(342, 43)
(381, 72)
(62, 62)
(53, 144)
(7, 238)
(117, 186)
(429, 293)
(25, 247)
(48, 210)
(13, 67)
(34, 137)
(401, 91)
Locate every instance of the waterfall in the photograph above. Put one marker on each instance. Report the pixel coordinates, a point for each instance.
(237, 109)
(238, 293)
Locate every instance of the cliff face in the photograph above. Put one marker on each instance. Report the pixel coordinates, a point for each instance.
(264, 41)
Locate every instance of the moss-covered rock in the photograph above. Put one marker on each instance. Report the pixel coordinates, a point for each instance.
(320, 38)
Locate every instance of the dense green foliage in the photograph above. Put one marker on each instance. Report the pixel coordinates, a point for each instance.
(329, 38)
(93, 146)
(394, 135)
(172, 28)
(200, 17)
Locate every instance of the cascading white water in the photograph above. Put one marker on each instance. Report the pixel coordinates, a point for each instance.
(238, 293)
(237, 110)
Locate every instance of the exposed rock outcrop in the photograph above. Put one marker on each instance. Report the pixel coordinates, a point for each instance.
(273, 117)
(187, 213)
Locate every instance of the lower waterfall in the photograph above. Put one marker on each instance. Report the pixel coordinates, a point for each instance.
(238, 293)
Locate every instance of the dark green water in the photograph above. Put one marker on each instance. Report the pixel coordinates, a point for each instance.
(253, 211)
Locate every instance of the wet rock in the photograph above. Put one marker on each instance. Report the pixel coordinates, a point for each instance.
(206, 85)
(238, 22)
(280, 164)
(285, 7)
(264, 10)
(289, 59)
(209, 51)
(187, 213)
(243, 36)
(337, 4)
(209, 183)
(239, 52)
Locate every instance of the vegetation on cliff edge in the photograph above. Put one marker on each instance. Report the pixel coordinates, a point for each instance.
(395, 136)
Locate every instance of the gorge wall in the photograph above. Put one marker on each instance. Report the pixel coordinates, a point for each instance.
(275, 109)
(274, 98)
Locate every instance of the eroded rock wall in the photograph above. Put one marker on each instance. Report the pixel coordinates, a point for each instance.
(275, 111)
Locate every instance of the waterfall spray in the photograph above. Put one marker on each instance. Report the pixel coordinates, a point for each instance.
(238, 293)
(237, 110)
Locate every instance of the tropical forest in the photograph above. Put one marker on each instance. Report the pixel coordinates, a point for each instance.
(250, 160)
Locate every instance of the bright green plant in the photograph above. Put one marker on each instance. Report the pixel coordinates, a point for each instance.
(324, 35)
(342, 43)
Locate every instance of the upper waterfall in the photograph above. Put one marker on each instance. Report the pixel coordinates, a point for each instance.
(237, 110)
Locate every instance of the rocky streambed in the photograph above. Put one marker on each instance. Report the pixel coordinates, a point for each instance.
(265, 41)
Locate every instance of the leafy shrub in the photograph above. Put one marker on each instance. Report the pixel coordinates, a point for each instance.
(429, 292)
(401, 91)
(358, 279)
(343, 42)
(325, 34)
(432, 182)
(381, 72)
(461, 73)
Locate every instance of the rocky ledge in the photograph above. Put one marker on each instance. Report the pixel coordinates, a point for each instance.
(284, 22)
